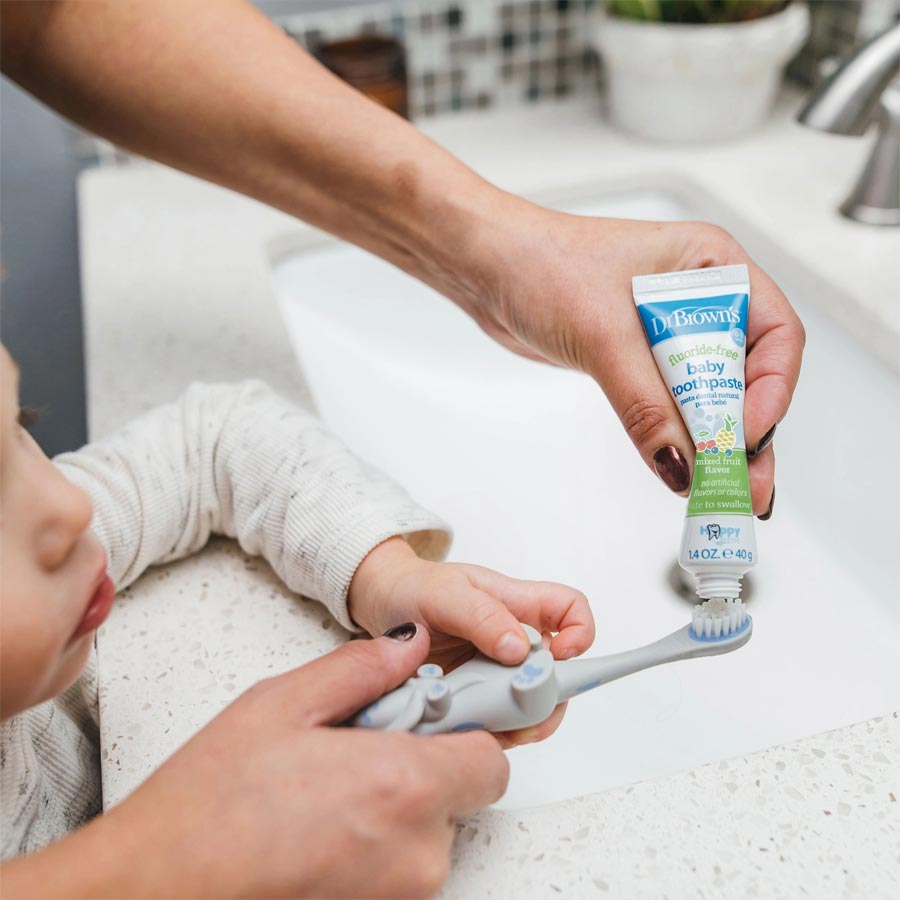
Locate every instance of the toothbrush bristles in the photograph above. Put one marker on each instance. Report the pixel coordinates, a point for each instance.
(718, 617)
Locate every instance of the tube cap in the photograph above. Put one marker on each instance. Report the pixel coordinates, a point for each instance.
(718, 585)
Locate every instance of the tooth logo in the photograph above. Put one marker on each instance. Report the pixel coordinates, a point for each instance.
(712, 532)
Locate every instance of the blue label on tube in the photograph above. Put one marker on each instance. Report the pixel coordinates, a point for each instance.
(667, 318)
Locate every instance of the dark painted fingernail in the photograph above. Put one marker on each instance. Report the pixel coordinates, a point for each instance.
(768, 513)
(672, 469)
(405, 632)
(766, 440)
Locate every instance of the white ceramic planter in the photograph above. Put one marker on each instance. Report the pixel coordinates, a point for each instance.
(672, 82)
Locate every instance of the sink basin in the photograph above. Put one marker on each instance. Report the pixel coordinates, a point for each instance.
(540, 481)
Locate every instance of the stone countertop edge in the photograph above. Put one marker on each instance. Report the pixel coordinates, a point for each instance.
(171, 266)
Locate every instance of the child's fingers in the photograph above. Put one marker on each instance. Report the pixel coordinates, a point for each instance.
(544, 605)
(476, 616)
(510, 739)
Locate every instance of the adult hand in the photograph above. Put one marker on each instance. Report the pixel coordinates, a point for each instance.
(268, 802)
(557, 287)
(548, 285)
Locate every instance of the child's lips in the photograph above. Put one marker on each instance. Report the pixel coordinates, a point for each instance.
(98, 607)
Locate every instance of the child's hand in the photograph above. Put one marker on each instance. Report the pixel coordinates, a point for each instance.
(465, 605)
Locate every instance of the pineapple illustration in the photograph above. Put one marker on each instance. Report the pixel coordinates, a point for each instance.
(725, 437)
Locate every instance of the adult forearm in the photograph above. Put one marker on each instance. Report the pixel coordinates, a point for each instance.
(217, 90)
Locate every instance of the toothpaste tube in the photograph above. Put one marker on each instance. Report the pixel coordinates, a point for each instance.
(696, 322)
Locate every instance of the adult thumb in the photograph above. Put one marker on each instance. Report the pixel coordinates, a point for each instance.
(338, 684)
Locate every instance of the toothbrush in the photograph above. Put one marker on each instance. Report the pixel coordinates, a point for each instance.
(485, 694)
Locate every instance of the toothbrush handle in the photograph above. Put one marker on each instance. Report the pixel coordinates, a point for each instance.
(579, 675)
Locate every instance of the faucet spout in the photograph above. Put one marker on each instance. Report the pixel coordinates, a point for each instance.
(846, 102)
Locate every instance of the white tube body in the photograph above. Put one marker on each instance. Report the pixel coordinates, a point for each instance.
(696, 322)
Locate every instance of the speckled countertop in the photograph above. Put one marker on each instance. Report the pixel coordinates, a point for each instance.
(177, 288)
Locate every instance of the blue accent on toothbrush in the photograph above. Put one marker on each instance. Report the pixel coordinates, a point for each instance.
(468, 726)
(588, 686)
(721, 637)
(528, 674)
(430, 670)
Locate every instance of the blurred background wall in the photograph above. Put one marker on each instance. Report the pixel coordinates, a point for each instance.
(40, 295)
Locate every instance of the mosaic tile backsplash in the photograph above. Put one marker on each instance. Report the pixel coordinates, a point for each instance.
(472, 53)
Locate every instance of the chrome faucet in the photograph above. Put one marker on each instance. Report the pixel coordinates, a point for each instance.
(846, 103)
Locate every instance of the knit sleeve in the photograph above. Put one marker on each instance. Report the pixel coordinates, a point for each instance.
(241, 461)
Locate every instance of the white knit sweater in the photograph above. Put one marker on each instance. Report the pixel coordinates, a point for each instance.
(225, 459)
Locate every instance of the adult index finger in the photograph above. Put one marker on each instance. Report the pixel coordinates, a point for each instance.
(474, 770)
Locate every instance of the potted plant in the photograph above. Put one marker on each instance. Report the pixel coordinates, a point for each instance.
(696, 70)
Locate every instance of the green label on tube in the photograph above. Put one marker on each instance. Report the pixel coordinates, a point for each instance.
(721, 485)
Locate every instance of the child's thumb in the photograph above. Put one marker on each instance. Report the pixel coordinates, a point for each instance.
(342, 682)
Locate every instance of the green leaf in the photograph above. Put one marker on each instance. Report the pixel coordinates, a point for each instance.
(695, 12)
(645, 10)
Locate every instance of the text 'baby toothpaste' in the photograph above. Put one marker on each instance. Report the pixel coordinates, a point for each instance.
(696, 322)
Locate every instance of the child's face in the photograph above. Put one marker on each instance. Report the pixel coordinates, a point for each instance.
(53, 586)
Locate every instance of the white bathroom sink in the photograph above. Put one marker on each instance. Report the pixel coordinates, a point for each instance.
(537, 477)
